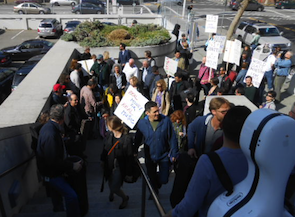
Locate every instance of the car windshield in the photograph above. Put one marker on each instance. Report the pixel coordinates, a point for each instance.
(5, 74)
(74, 24)
(48, 43)
(269, 32)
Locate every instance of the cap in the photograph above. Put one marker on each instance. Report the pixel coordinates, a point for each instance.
(99, 56)
(58, 87)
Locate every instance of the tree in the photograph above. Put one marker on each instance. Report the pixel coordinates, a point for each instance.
(236, 20)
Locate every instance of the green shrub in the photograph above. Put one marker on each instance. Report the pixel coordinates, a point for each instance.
(95, 34)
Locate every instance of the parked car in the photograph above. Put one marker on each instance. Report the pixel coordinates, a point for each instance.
(63, 2)
(50, 27)
(71, 26)
(5, 59)
(28, 49)
(95, 2)
(269, 34)
(285, 4)
(6, 77)
(24, 70)
(31, 8)
(25, 1)
(88, 8)
(252, 6)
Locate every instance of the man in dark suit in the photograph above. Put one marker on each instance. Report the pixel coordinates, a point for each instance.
(124, 55)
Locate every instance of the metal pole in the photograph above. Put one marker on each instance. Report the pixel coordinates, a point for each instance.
(183, 9)
(143, 195)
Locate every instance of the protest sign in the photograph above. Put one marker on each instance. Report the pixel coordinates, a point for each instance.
(212, 54)
(232, 52)
(131, 107)
(211, 23)
(221, 39)
(170, 66)
(86, 66)
(256, 71)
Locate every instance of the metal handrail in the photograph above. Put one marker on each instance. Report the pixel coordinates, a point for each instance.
(2, 209)
(146, 182)
(17, 166)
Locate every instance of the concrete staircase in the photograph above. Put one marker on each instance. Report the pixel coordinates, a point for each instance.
(99, 205)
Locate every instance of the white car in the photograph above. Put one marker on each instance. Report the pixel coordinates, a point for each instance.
(63, 2)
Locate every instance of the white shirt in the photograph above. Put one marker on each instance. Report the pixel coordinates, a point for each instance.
(130, 71)
(74, 76)
(271, 59)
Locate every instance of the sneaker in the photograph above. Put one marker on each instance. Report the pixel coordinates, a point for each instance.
(124, 203)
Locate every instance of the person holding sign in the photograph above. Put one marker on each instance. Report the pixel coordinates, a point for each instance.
(160, 144)
(116, 158)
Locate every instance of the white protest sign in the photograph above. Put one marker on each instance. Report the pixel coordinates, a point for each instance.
(256, 71)
(232, 52)
(212, 54)
(211, 23)
(221, 39)
(131, 107)
(236, 52)
(86, 66)
(170, 66)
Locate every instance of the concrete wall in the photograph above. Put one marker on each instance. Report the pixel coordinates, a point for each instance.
(15, 149)
(31, 21)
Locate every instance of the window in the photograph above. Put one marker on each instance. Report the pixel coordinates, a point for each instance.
(269, 32)
(250, 29)
(242, 25)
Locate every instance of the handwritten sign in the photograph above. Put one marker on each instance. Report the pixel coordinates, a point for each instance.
(170, 66)
(221, 39)
(131, 107)
(212, 54)
(211, 23)
(232, 52)
(86, 66)
(256, 71)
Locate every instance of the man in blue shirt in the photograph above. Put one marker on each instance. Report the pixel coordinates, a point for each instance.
(160, 144)
(205, 186)
(283, 66)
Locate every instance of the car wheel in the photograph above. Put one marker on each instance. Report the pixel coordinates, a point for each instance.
(77, 12)
(73, 4)
(260, 9)
(20, 12)
(56, 4)
(283, 7)
(41, 12)
(98, 12)
(179, 3)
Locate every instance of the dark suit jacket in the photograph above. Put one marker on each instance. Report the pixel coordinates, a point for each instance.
(124, 58)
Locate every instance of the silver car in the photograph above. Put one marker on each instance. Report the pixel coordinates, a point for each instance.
(31, 8)
(49, 28)
(63, 2)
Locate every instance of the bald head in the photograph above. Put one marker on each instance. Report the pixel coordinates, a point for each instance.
(131, 62)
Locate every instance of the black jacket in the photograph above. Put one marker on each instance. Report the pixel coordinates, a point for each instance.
(122, 152)
(51, 158)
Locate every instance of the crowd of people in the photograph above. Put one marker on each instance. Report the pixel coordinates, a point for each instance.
(173, 130)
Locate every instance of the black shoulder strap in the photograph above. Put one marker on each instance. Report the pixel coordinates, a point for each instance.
(221, 172)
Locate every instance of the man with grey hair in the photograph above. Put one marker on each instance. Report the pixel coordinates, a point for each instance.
(282, 67)
(130, 69)
(53, 162)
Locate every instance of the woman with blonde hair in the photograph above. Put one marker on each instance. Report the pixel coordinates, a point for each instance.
(108, 59)
(161, 97)
(117, 158)
(179, 123)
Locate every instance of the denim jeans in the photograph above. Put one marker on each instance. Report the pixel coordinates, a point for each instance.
(269, 77)
(71, 198)
(157, 179)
